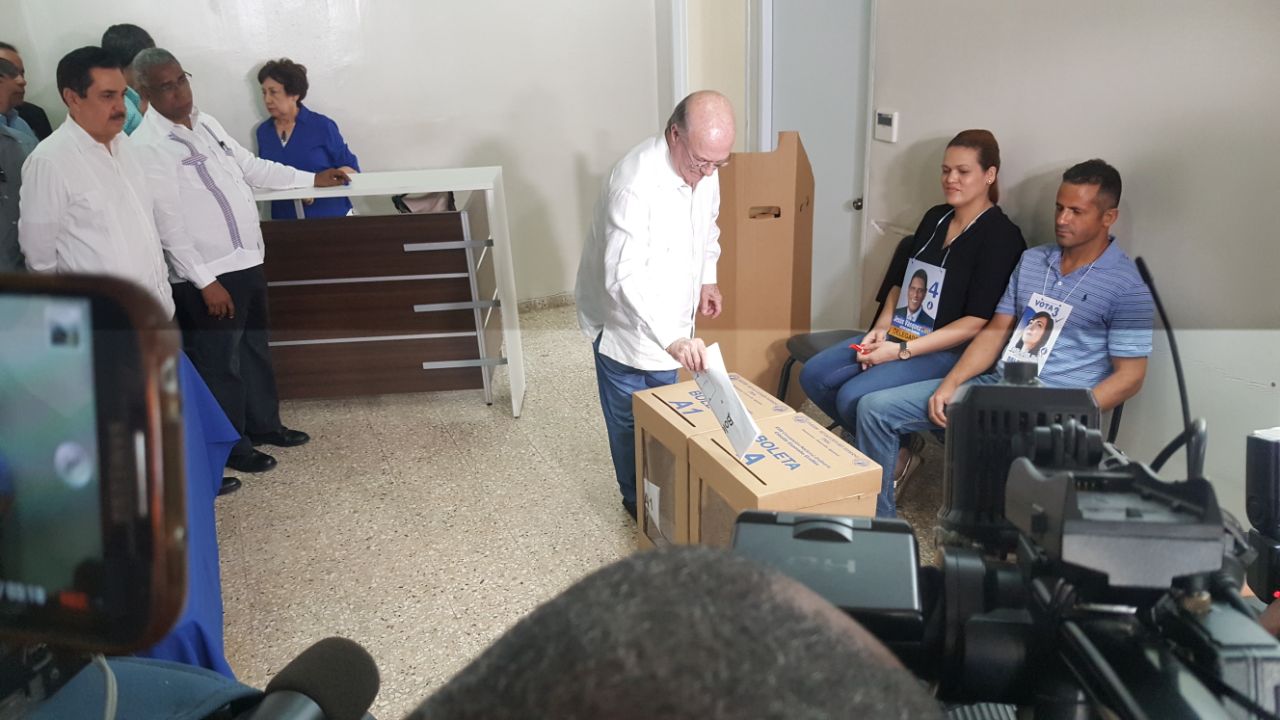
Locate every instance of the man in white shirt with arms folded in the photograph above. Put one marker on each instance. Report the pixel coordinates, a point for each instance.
(203, 184)
(85, 206)
(650, 262)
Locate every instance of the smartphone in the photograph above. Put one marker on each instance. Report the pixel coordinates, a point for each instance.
(92, 501)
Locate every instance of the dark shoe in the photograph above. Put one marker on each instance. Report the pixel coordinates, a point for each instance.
(630, 507)
(284, 438)
(229, 485)
(254, 463)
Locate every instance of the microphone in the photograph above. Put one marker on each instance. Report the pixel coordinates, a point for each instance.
(334, 679)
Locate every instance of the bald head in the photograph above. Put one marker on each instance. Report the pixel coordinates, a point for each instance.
(706, 115)
(700, 135)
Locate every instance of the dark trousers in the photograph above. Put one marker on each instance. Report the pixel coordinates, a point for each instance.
(232, 354)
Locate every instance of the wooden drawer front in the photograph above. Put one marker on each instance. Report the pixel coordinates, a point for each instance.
(363, 309)
(373, 368)
(361, 247)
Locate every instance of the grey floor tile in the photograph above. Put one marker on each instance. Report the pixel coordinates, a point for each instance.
(423, 525)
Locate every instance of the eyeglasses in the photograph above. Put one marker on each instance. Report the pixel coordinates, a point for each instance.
(170, 88)
(701, 165)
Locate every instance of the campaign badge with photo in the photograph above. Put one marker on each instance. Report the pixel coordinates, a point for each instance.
(1037, 331)
(917, 309)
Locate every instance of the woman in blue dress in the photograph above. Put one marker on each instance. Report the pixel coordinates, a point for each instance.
(298, 137)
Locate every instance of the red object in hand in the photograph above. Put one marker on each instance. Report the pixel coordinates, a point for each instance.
(857, 347)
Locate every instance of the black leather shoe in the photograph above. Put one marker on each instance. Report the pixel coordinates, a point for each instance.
(229, 485)
(254, 463)
(630, 507)
(284, 438)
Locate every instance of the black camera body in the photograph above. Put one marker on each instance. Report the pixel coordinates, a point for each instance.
(1073, 583)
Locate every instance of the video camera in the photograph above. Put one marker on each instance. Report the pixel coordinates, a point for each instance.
(1073, 581)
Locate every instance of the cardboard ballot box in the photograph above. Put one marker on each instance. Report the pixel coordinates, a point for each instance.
(666, 418)
(795, 465)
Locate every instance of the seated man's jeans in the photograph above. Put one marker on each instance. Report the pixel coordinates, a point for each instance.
(835, 381)
(885, 416)
(617, 382)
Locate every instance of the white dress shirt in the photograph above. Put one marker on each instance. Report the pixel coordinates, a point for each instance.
(653, 243)
(86, 209)
(203, 181)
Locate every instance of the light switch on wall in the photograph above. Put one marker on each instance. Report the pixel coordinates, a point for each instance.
(887, 126)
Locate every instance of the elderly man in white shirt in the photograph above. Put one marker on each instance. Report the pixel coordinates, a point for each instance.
(85, 206)
(203, 183)
(650, 262)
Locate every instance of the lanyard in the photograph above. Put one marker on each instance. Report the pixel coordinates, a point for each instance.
(947, 254)
(1044, 289)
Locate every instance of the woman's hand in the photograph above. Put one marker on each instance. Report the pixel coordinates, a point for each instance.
(870, 342)
(878, 354)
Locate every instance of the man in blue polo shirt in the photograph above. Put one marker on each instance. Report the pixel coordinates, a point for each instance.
(1099, 337)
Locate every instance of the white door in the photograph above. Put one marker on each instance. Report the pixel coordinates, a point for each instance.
(819, 80)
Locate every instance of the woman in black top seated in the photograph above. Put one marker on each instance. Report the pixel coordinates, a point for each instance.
(954, 269)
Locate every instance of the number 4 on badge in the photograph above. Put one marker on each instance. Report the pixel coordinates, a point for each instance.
(933, 290)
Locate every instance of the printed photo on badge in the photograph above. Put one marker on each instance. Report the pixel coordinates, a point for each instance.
(1037, 331)
(917, 309)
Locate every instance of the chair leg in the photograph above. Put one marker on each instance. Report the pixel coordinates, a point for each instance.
(785, 378)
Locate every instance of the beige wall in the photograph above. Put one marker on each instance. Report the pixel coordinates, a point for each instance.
(1181, 98)
(554, 91)
(718, 55)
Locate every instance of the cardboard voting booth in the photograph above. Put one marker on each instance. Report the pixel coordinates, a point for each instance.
(766, 260)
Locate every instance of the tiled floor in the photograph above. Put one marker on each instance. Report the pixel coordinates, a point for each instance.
(422, 526)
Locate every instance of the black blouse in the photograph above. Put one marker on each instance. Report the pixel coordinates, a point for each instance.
(978, 266)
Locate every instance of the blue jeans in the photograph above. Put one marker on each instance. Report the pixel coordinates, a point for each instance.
(835, 382)
(885, 416)
(617, 384)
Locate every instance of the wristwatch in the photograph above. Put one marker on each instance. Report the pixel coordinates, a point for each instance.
(904, 353)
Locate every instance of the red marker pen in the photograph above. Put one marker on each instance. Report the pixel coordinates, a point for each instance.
(857, 347)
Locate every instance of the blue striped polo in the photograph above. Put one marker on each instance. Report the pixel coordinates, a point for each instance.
(1111, 312)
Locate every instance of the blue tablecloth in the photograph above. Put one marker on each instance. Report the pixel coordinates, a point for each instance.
(197, 637)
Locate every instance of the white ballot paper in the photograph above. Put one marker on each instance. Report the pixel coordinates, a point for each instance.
(724, 402)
